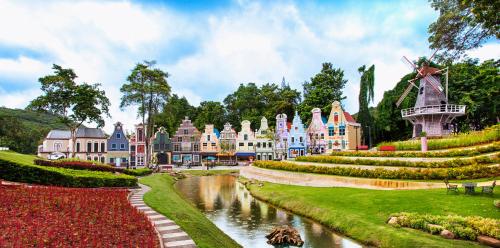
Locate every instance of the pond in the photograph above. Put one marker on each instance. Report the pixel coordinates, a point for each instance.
(228, 204)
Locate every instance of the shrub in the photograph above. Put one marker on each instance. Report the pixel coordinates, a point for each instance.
(463, 227)
(467, 172)
(413, 154)
(496, 203)
(459, 140)
(400, 163)
(138, 172)
(29, 173)
(91, 166)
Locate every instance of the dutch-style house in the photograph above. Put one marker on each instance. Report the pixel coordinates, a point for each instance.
(297, 143)
(316, 133)
(344, 133)
(186, 144)
(281, 137)
(227, 141)
(209, 142)
(91, 144)
(245, 142)
(138, 146)
(264, 148)
(118, 147)
(161, 147)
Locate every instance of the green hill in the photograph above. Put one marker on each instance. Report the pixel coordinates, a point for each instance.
(22, 130)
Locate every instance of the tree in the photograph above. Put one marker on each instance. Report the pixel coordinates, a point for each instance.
(277, 100)
(210, 112)
(324, 88)
(148, 88)
(174, 112)
(463, 25)
(366, 95)
(74, 103)
(245, 104)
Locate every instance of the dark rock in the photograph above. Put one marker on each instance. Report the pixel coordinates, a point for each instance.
(489, 241)
(284, 235)
(447, 234)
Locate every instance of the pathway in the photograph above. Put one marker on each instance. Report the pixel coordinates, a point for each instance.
(170, 233)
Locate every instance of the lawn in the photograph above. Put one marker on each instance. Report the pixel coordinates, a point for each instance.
(166, 200)
(17, 157)
(362, 214)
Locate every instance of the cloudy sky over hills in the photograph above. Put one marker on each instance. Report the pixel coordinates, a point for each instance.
(209, 48)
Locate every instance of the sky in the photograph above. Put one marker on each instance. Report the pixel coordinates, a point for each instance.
(210, 47)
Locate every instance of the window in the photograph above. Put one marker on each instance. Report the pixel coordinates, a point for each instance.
(89, 147)
(122, 146)
(112, 160)
(263, 144)
(57, 147)
(330, 144)
(245, 137)
(96, 148)
(342, 130)
(185, 131)
(208, 137)
(241, 144)
(301, 139)
(78, 147)
(205, 145)
(176, 148)
(102, 159)
(118, 135)
(331, 131)
(179, 139)
(196, 147)
(132, 148)
(124, 160)
(89, 158)
(213, 144)
(293, 139)
(421, 90)
(322, 136)
(336, 117)
(103, 147)
(270, 145)
(113, 146)
(250, 143)
(139, 134)
(96, 158)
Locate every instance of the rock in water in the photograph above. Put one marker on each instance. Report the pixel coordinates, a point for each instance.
(284, 235)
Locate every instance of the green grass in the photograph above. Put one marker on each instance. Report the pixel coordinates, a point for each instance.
(460, 140)
(209, 172)
(165, 199)
(362, 214)
(17, 157)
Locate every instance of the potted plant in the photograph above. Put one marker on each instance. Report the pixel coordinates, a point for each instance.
(423, 141)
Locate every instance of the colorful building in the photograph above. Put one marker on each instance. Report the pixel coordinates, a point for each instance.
(209, 142)
(118, 147)
(281, 137)
(264, 147)
(245, 142)
(186, 144)
(138, 146)
(297, 142)
(161, 147)
(316, 133)
(344, 133)
(227, 141)
(56, 145)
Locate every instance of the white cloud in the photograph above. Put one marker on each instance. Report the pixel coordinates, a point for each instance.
(488, 51)
(17, 99)
(23, 68)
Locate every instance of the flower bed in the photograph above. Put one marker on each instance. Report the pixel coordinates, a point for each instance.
(413, 154)
(91, 165)
(468, 228)
(66, 217)
(467, 172)
(487, 135)
(400, 163)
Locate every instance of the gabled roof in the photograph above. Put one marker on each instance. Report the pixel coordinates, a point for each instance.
(85, 132)
(217, 133)
(324, 119)
(349, 117)
(59, 134)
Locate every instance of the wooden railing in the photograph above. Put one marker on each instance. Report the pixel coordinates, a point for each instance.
(434, 109)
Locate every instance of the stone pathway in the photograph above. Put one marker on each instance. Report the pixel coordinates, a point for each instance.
(171, 234)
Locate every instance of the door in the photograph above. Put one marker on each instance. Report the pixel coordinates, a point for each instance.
(418, 130)
(117, 162)
(162, 158)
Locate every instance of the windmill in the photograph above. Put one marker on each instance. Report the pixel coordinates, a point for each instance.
(432, 113)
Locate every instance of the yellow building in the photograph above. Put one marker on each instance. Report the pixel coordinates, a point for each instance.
(343, 132)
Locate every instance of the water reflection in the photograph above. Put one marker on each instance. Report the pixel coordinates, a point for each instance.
(247, 220)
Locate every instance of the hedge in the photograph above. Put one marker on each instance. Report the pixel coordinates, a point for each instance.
(462, 227)
(91, 166)
(414, 154)
(467, 172)
(28, 173)
(400, 163)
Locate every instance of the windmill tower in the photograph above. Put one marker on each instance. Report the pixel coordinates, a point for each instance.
(432, 112)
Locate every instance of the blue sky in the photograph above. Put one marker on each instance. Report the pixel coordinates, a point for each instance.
(209, 47)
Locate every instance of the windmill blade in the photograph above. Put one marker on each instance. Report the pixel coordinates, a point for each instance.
(435, 82)
(409, 63)
(434, 86)
(405, 93)
(432, 56)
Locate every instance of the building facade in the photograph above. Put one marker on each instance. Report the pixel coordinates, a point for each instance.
(281, 137)
(209, 143)
(138, 146)
(297, 143)
(186, 144)
(161, 147)
(245, 142)
(316, 133)
(56, 144)
(264, 147)
(344, 133)
(227, 141)
(118, 147)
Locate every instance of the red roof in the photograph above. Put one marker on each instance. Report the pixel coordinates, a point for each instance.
(348, 117)
(289, 125)
(428, 70)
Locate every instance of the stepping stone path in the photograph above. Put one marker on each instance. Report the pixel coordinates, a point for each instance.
(171, 234)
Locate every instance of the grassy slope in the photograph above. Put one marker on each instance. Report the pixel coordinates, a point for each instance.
(17, 157)
(361, 214)
(166, 200)
(33, 119)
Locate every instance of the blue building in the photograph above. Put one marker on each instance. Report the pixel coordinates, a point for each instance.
(297, 138)
(118, 147)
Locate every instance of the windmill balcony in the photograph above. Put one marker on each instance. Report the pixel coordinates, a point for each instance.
(451, 109)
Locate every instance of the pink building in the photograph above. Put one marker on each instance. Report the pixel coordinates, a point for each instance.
(316, 133)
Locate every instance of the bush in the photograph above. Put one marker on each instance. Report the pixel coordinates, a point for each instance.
(467, 172)
(91, 166)
(460, 140)
(400, 163)
(496, 203)
(29, 173)
(463, 227)
(413, 154)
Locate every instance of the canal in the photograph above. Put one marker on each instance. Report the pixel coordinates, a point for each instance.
(228, 204)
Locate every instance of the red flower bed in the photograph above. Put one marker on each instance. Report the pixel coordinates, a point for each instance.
(78, 165)
(68, 217)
